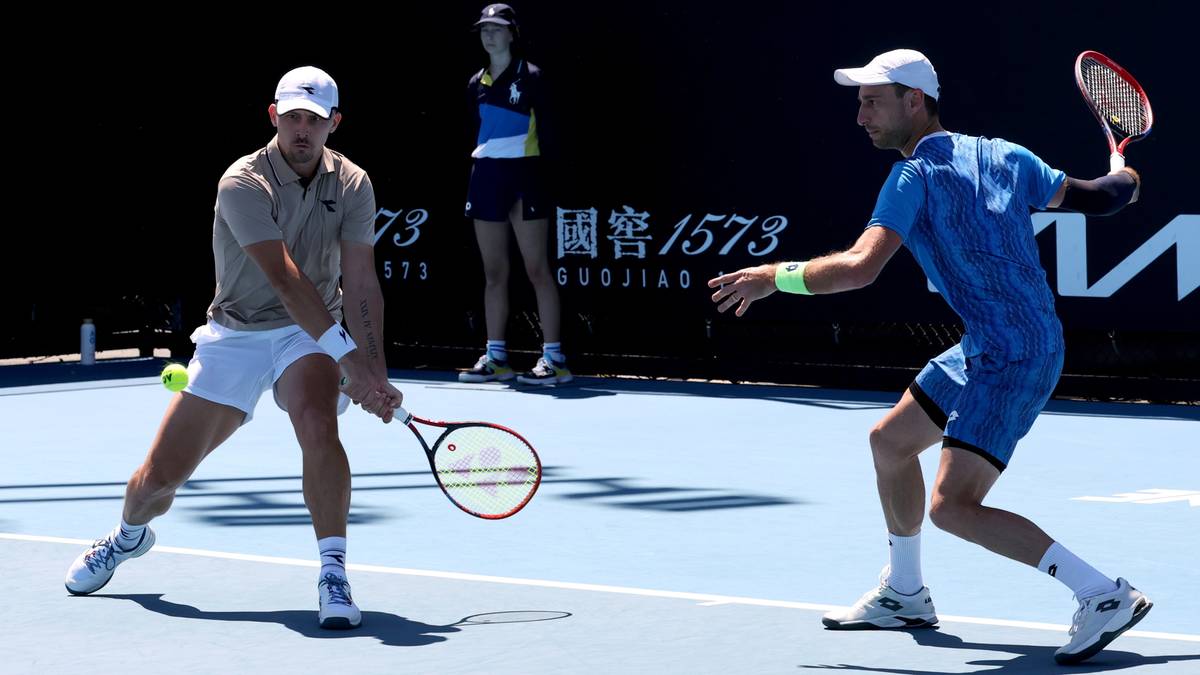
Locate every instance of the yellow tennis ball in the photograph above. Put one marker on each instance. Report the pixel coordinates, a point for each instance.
(175, 377)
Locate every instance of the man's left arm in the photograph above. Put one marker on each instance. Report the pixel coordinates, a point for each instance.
(362, 302)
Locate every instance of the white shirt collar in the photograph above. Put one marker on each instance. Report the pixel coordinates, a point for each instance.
(935, 134)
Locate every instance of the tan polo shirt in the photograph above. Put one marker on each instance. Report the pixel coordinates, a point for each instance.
(260, 198)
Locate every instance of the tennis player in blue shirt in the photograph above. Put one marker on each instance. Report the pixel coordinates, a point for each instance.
(961, 204)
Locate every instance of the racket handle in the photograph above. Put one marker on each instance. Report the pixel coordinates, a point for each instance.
(1116, 162)
(403, 415)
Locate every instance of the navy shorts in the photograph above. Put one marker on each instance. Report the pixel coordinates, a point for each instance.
(984, 403)
(497, 184)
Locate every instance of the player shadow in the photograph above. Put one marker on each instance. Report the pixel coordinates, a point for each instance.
(389, 629)
(1029, 659)
(281, 506)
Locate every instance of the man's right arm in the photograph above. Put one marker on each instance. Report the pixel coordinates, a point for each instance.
(1102, 196)
(1048, 188)
(304, 304)
(298, 294)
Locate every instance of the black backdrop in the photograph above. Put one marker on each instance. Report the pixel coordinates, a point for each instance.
(684, 117)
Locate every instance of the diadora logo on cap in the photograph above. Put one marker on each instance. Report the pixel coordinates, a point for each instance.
(307, 88)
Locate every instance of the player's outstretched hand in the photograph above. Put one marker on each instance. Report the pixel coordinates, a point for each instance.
(743, 286)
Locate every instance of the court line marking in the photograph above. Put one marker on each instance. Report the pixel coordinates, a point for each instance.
(703, 599)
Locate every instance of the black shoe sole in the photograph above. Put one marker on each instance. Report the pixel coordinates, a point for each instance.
(864, 625)
(1140, 610)
(339, 623)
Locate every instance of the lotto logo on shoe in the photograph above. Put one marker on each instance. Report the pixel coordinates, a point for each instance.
(1108, 605)
(891, 604)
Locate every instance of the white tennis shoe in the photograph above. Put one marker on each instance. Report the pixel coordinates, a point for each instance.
(95, 566)
(884, 608)
(1100, 619)
(337, 608)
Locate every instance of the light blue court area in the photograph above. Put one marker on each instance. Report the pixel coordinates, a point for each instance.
(680, 528)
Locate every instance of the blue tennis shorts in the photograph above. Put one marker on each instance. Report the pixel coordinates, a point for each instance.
(497, 184)
(986, 404)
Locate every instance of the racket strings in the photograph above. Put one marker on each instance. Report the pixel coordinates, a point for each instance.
(1116, 99)
(486, 470)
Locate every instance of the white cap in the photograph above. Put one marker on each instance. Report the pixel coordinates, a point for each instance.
(899, 66)
(306, 88)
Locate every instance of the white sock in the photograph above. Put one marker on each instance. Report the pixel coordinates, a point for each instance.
(552, 351)
(1083, 579)
(129, 536)
(497, 351)
(333, 555)
(905, 575)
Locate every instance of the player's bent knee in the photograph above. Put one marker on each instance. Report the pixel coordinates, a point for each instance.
(951, 515)
(886, 447)
(942, 514)
(315, 432)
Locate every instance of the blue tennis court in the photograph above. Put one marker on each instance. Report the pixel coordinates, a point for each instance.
(681, 527)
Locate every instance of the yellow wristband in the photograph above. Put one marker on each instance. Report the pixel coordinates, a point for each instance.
(789, 278)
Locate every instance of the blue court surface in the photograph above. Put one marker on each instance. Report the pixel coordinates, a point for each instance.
(680, 528)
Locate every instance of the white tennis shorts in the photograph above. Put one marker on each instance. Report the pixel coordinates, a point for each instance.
(235, 367)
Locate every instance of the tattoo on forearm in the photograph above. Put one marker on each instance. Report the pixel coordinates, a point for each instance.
(365, 312)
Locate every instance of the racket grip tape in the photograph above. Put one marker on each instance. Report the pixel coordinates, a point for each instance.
(1116, 162)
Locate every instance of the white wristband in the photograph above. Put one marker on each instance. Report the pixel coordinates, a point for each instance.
(337, 342)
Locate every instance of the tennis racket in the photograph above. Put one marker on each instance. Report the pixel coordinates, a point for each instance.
(1117, 101)
(485, 469)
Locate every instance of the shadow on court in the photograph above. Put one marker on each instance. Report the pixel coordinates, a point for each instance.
(389, 629)
(284, 506)
(1029, 658)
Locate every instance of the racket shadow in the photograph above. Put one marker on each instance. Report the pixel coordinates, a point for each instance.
(389, 629)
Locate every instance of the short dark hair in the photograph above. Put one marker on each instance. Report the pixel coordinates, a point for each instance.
(931, 104)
